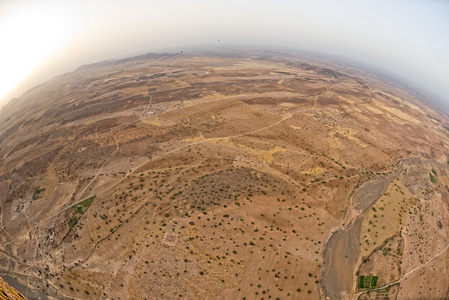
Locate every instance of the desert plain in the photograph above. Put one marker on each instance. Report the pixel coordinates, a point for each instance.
(218, 175)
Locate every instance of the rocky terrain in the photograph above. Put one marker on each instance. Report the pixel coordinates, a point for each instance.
(224, 176)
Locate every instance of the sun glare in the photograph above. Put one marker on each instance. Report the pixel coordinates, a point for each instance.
(29, 36)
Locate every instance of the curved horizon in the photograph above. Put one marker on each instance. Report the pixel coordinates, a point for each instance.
(403, 38)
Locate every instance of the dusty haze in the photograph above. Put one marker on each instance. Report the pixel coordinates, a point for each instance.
(47, 38)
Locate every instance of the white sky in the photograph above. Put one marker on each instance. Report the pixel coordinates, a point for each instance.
(43, 38)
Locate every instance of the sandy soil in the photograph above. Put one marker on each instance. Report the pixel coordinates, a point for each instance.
(222, 176)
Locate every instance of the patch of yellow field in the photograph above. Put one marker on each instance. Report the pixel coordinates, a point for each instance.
(357, 109)
(314, 171)
(385, 218)
(401, 115)
(288, 104)
(400, 100)
(350, 134)
(374, 110)
(262, 155)
(286, 88)
(398, 121)
(295, 127)
(265, 155)
(157, 121)
(334, 142)
(194, 139)
(350, 99)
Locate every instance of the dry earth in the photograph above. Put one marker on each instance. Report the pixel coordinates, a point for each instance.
(223, 176)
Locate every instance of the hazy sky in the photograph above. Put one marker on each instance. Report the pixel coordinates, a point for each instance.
(43, 38)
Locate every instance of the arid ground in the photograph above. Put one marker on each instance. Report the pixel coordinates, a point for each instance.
(224, 176)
